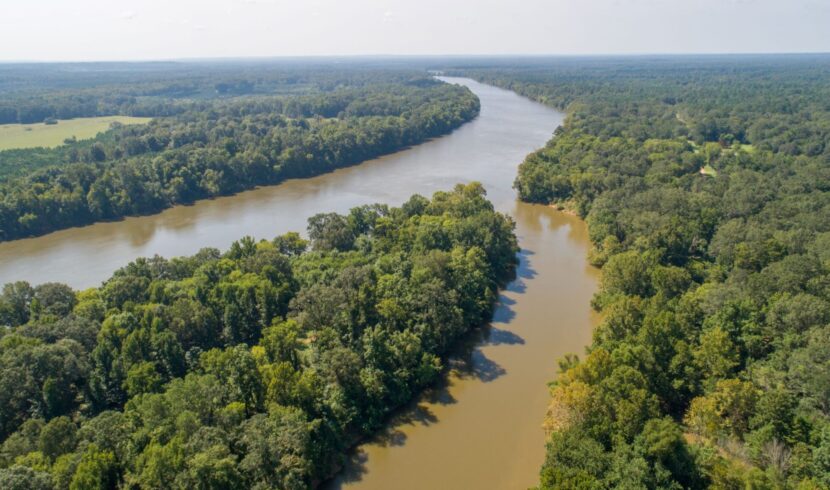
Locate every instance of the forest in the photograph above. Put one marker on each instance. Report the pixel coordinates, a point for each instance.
(209, 140)
(256, 367)
(33, 92)
(705, 183)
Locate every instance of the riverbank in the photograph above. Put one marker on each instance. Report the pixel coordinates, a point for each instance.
(565, 207)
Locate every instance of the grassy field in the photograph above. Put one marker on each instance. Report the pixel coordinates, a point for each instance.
(51, 135)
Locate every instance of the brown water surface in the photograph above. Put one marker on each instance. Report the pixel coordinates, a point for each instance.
(482, 428)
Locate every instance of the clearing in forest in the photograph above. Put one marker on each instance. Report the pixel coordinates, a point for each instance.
(14, 136)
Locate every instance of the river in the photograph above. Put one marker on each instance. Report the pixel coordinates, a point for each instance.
(482, 427)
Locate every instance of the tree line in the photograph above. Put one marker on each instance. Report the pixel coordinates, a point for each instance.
(705, 183)
(34, 92)
(257, 367)
(217, 148)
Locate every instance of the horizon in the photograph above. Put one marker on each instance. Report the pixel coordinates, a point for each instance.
(382, 56)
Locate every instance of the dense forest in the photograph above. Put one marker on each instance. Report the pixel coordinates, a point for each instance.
(33, 92)
(705, 183)
(215, 144)
(253, 368)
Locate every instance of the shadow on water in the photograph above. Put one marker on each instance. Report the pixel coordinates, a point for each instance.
(504, 313)
(504, 337)
(353, 470)
(419, 414)
(504, 300)
(524, 272)
(476, 365)
(392, 434)
(517, 286)
(466, 361)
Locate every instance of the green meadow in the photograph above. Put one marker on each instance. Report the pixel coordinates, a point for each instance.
(14, 136)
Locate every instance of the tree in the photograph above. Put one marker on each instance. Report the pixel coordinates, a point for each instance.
(142, 378)
(159, 465)
(661, 443)
(213, 468)
(236, 368)
(96, 470)
(52, 299)
(717, 355)
(281, 342)
(278, 448)
(821, 457)
(15, 303)
(627, 273)
(58, 437)
(330, 231)
(22, 478)
(809, 370)
(573, 460)
(290, 244)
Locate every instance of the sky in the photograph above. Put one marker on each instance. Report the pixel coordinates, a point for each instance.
(85, 30)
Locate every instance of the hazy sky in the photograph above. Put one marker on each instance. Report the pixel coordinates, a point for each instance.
(162, 29)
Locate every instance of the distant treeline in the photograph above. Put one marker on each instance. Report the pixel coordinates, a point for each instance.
(32, 93)
(253, 368)
(705, 184)
(220, 146)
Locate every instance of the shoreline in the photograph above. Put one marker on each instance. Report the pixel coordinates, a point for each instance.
(565, 209)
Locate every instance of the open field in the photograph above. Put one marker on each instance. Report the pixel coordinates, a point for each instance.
(50, 135)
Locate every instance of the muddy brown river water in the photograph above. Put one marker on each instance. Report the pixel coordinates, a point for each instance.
(481, 428)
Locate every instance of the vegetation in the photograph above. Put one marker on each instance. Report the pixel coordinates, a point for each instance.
(711, 367)
(253, 368)
(34, 92)
(221, 145)
(52, 133)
